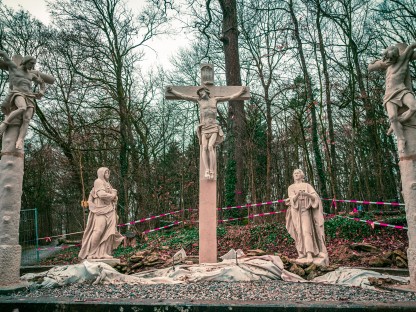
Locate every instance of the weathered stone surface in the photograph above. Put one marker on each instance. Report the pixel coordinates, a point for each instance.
(10, 261)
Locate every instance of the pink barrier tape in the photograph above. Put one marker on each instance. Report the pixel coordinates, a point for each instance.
(251, 216)
(366, 202)
(162, 227)
(150, 218)
(59, 247)
(49, 238)
(193, 209)
(399, 227)
(252, 205)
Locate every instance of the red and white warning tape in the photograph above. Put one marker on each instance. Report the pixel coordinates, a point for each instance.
(365, 202)
(49, 238)
(399, 227)
(161, 228)
(251, 216)
(150, 218)
(248, 205)
(59, 247)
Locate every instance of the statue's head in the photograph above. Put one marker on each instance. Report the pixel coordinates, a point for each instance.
(298, 175)
(103, 173)
(202, 91)
(391, 55)
(28, 62)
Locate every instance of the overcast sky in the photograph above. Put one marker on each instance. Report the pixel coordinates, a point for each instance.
(164, 47)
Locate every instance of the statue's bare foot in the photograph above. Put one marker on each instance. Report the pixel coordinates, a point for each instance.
(211, 175)
(390, 131)
(401, 143)
(19, 144)
(3, 128)
(207, 176)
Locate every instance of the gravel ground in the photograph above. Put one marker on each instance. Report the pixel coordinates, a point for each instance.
(265, 291)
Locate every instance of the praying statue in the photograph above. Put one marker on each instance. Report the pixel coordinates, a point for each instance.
(101, 236)
(305, 221)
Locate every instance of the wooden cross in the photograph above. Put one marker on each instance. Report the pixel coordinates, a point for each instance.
(210, 135)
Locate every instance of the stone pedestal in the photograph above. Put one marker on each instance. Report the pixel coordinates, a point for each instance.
(11, 179)
(207, 217)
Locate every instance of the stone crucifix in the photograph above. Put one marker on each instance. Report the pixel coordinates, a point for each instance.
(18, 107)
(400, 103)
(210, 135)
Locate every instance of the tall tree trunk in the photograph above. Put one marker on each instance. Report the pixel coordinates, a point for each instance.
(332, 155)
(310, 103)
(236, 108)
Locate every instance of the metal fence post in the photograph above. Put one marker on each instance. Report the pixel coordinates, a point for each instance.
(36, 236)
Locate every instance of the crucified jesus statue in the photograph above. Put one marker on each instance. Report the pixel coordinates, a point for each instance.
(399, 99)
(208, 131)
(20, 102)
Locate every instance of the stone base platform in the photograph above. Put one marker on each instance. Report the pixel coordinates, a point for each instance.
(67, 304)
(9, 289)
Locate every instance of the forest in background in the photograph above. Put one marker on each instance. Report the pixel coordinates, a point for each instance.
(313, 103)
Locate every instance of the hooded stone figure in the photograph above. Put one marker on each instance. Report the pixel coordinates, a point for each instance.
(100, 235)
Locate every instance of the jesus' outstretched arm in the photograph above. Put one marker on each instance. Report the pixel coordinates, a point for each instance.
(231, 97)
(181, 95)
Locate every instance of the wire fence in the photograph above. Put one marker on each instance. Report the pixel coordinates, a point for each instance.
(28, 237)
